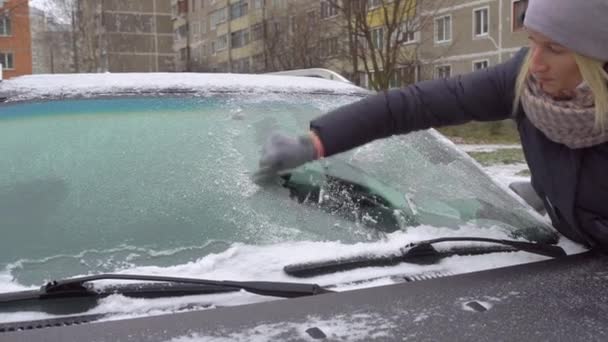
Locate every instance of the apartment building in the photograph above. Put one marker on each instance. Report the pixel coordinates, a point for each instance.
(15, 38)
(333, 41)
(458, 36)
(138, 36)
(470, 35)
(254, 35)
(219, 35)
(180, 25)
(453, 36)
(105, 35)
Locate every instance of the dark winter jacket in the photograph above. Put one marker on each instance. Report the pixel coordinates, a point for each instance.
(572, 182)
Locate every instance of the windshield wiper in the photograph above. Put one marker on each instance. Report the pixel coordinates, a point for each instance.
(423, 253)
(172, 286)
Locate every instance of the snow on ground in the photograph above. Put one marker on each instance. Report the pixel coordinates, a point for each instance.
(504, 174)
(486, 147)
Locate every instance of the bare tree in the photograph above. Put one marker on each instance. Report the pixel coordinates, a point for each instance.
(85, 20)
(353, 41)
(293, 40)
(383, 36)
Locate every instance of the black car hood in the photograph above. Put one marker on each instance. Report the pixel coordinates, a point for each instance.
(556, 299)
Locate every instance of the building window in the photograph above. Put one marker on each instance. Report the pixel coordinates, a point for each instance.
(256, 32)
(328, 10)
(183, 54)
(276, 26)
(258, 62)
(5, 25)
(408, 36)
(195, 30)
(6, 59)
(480, 22)
(219, 44)
(402, 76)
(405, 34)
(378, 38)
(362, 43)
(239, 38)
(181, 32)
(363, 80)
(174, 11)
(329, 47)
(241, 65)
(443, 71)
(483, 64)
(443, 29)
(291, 24)
(519, 9)
(238, 9)
(311, 17)
(257, 4)
(395, 79)
(218, 17)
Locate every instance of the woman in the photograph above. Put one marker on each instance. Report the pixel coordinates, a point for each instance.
(556, 90)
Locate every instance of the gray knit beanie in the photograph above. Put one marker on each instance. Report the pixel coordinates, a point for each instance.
(580, 25)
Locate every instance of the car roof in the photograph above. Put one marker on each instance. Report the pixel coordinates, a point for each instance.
(46, 86)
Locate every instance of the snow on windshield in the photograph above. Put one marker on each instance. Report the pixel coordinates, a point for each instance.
(248, 262)
(36, 86)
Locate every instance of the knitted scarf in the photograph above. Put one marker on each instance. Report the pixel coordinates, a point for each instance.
(570, 122)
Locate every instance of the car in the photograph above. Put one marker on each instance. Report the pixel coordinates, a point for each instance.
(129, 198)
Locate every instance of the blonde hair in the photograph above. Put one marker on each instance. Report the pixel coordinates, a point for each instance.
(592, 72)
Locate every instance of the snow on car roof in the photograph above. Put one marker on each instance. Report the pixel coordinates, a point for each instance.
(83, 85)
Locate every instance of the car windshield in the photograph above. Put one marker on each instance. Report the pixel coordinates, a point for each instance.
(100, 185)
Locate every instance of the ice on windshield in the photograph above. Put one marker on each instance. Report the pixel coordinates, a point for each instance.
(162, 185)
(108, 183)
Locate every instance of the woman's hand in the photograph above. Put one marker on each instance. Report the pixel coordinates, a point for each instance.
(282, 152)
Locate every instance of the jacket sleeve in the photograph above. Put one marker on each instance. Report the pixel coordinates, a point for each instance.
(596, 228)
(484, 95)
